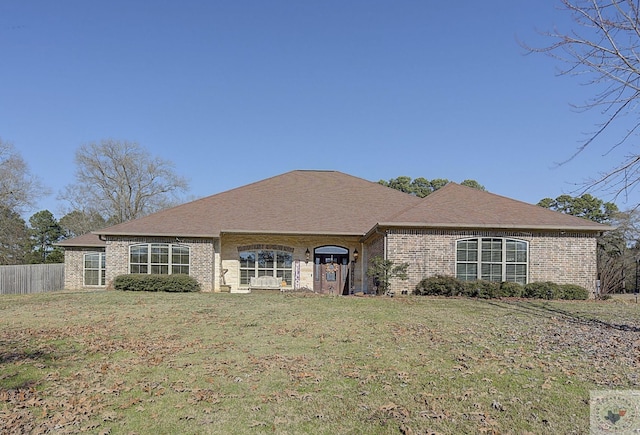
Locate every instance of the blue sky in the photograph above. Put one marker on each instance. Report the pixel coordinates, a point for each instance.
(237, 91)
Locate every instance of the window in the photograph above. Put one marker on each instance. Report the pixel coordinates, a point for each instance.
(159, 258)
(265, 262)
(94, 269)
(492, 259)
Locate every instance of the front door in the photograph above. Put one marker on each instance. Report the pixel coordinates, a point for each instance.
(331, 279)
(330, 271)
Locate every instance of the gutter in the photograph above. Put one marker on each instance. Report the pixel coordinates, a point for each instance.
(293, 233)
(247, 232)
(597, 228)
(80, 245)
(586, 228)
(134, 234)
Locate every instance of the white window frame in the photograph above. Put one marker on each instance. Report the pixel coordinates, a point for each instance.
(283, 272)
(158, 267)
(101, 269)
(503, 262)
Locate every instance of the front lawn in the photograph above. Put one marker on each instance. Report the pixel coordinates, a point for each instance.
(122, 363)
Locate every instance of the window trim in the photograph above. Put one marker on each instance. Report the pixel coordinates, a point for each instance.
(150, 255)
(270, 271)
(504, 262)
(102, 267)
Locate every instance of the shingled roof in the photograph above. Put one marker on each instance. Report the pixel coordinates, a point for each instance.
(330, 202)
(460, 206)
(297, 202)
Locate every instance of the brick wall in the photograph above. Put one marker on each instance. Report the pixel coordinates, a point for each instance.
(202, 264)
(561, 258)
(566, 259)
(74, 266)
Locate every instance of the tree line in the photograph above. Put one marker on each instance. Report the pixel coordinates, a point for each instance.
(422, 187)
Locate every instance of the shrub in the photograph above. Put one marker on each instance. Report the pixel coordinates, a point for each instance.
(444, 285)
(511, 289)
(573, 291)
(542, 290)
(440, 285)
(383, 271)
(482, 289)
(156, 283)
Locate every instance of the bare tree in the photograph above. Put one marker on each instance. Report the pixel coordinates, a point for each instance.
(18, 188)
(121, 181)
(627, 233)
(604, 47)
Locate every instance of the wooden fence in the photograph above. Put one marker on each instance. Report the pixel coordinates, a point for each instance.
(31, 278)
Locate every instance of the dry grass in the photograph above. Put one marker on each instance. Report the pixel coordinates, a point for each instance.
(111, 362)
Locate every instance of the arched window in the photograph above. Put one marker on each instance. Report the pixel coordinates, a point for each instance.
(331, 254)
(94, 269)
(492, 259)
(269, 262)
(159, 258)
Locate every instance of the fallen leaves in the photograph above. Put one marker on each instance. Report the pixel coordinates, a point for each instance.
(391, 411)
(462, 366)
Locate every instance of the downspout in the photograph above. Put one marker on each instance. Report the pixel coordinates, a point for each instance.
(385, 251)
(384, 246)
(362, 277)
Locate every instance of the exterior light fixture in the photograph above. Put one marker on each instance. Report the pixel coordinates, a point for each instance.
(307, 255)
(355, 255)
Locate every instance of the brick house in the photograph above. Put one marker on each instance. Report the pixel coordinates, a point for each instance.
(317, 230)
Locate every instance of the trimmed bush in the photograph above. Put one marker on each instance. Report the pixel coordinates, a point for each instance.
(482, 289)
(573, 291)
(156, 283)
(542, 290)
(440, 285)
(444, 285)
(511, 289)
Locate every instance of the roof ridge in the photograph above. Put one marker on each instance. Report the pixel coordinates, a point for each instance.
(311, 170)
(418, 203)
(481, 192)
